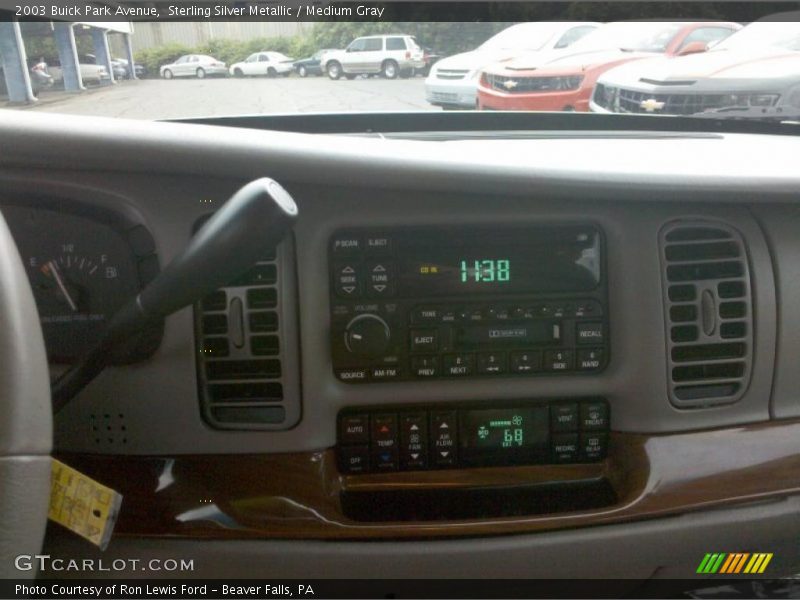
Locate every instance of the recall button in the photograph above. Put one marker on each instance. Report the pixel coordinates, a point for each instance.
(590, 333)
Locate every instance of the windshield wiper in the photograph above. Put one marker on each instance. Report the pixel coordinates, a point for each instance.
(750, 113)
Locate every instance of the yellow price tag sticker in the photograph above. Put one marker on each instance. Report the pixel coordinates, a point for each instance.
(82, 505)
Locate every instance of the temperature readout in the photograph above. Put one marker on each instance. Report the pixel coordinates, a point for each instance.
(491, 433)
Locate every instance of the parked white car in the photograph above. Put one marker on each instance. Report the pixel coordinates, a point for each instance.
(193, 65)
(453, 81)
(389, 55)
(270, 64)
(91, 73)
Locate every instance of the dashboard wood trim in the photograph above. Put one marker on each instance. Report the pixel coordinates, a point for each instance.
(296, 496)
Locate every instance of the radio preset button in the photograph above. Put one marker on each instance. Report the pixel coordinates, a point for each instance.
(558, 360)
(444, 438)
(590, 359)
(590, 333)
(492, 363)
(525, 361)
(564, 417)
(425, 366)
(348, 280)
(459, 365)
(425, 340)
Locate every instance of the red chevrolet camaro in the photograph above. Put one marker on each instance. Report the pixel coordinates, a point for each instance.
(564, 79)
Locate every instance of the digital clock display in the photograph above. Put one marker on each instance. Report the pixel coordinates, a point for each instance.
(503, 435)
(532, 260)
(486, 270)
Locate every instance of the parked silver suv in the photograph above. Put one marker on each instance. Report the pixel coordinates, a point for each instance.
(389, 55)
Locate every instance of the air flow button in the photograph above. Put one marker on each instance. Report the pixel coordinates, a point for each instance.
(444, 438)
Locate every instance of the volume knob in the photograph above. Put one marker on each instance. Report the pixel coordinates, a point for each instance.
(367, 336)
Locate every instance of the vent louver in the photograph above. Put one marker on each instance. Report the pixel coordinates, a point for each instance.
(241, 358)
(708, 312)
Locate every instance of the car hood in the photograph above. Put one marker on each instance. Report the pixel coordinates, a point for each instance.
(476, 59)
(564, 60)
(715, 64)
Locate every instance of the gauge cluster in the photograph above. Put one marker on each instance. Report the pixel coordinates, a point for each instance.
(83, 263)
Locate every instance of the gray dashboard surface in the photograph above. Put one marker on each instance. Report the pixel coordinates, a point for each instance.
(171, 173)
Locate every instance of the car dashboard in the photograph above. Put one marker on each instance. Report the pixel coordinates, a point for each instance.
(519, 352)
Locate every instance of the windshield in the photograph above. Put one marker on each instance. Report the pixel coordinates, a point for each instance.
(765, 36)
(637, 37)
(195, 66)
(528, 36)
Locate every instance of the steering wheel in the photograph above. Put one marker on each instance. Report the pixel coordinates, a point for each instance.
(26, 422)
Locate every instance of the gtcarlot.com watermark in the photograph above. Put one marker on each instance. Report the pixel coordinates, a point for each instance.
(44, 563)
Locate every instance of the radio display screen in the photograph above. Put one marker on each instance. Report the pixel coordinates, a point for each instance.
(563, 259)
(489, 435)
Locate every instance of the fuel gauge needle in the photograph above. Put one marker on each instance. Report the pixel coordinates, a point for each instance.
(61, 286)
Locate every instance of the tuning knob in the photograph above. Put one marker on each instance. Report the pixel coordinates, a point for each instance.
(367, 336)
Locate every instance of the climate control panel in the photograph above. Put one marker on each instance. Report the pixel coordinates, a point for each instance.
(378, 440)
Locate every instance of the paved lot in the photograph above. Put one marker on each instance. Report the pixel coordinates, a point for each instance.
(159, 99)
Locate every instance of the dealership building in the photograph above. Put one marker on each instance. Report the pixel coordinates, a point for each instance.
(15, 58)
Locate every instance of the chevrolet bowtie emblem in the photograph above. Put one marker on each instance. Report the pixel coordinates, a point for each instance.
(510, 84)
(651, 105)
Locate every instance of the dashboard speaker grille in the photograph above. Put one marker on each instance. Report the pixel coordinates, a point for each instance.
(708, 312)
(239, 332)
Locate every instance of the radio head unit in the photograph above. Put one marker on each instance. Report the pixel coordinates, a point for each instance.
(428, 302)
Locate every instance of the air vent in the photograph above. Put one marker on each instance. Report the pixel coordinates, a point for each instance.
(247, 376)
(708, 312)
